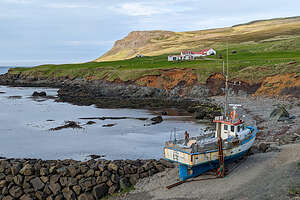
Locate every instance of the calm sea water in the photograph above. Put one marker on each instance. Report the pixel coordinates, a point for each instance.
(3, 70)
(25, 124)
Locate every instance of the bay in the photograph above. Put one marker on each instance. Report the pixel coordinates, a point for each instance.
(25, 124)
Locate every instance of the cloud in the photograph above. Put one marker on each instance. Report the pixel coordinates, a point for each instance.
(139, 9)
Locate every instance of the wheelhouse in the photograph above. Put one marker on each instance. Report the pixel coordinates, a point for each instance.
(229, 128)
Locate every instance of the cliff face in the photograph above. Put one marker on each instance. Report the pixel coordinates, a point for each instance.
(151, 43)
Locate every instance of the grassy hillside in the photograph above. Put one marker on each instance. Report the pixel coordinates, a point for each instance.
(270, 52)
(153, 43)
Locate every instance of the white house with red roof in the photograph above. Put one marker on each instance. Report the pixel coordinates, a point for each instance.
(192, 55)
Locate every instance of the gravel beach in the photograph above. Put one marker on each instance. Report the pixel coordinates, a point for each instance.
(262, 176)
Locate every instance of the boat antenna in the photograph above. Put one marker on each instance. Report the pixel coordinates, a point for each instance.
(226, 86)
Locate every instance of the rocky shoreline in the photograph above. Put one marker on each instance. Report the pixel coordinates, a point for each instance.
(27, 179)
(105, 94)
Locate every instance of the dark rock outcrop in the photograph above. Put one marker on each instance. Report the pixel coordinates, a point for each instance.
(39, 94)
(157, 120)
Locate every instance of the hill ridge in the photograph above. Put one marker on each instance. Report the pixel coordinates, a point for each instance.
(158, 42)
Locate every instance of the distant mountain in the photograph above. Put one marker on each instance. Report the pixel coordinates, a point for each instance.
(151, 43)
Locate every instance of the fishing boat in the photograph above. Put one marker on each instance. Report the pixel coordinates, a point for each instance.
(196, 155)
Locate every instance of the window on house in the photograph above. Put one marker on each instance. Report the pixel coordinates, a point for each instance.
(232, 128)
(239, 129)
(174, 58)
(225, 127)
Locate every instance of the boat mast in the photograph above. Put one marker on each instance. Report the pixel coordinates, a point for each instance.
(226, 86)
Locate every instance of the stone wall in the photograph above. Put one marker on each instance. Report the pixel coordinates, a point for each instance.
(27, 179)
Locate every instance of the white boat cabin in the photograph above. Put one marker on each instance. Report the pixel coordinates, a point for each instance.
(231, 128)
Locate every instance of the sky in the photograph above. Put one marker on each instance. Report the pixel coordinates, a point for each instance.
(34, 32)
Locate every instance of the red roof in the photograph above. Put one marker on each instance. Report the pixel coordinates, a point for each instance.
(202, 52)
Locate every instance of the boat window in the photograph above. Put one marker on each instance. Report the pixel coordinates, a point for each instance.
(239, 129)
(232, 128)
(225, 127)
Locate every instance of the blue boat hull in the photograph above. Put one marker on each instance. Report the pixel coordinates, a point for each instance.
(186, 172)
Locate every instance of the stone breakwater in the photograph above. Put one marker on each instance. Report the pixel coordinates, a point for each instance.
(27, 179)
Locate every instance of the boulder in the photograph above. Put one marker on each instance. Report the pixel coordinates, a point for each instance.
(50, 197)
(27, 170)
(199, 114)
(18, 180)
(67, 181)
(9, 178)
(113, 189)
(133, 179)
(280, 113)
(157, 120)
(100, 191)
(55, 188)
(45, 179)
(148, 165)
(113, 167)
(54, 178)
(73, 171)
(2, 176)
(124, 183)
(83, 169)
(37, 184)
(102, 179)
(16, 192)
(115, 178)
(63, 171)
(39, 195)
(68, 194)
(15, 169)
(87, 183)
(59, 197)
(3, 165)
(8, 198)
(254, 149)
(44, 171)
(160, 167)
(86, 196)
(90, 173)
(47, 190)
(4, 191)
(77, 189)
(39, 94)
(263, 147)
(26, 197)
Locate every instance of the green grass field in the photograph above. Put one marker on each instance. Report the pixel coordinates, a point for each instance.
(252, 62)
